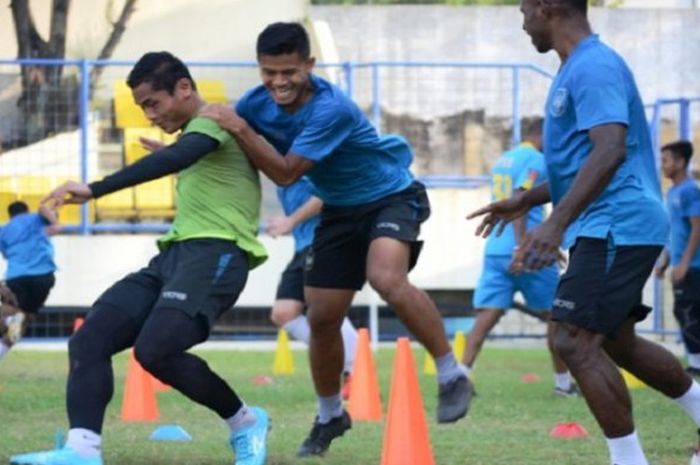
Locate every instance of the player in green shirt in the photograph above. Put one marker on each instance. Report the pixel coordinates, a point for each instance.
(170, 305)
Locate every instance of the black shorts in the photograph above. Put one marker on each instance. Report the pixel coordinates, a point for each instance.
(688, 291)
(291, 285)
(603, 285)
(196, 276)
(31, 291)
(338, 256)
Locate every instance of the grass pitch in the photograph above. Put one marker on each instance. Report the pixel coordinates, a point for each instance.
(508, 422)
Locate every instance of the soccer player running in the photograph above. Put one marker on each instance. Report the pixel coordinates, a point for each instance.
(371, 216)
(608, 210)
(26, 245)
(683, 201)
(301, 217)
(170, 305)
(519, 169)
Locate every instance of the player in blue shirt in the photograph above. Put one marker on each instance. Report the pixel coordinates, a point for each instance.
(370, 221)
(301, 216)
(609, 213)
(25, 244)
(521, 168)
(683, 202)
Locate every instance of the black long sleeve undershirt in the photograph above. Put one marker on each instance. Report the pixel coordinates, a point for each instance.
(185, 152)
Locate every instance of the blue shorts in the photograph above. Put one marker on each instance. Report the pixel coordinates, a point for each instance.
(497, 286)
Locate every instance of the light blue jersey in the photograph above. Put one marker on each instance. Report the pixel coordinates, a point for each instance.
(595, 87)
(293, 197)
(26, 247)
(522, 167)
(353, 165)
(683, 204)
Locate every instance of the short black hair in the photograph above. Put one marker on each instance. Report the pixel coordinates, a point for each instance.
(16, 208)
(580, 6)
(284, 39)
(680, 149)
(162, 70)
(532, 126)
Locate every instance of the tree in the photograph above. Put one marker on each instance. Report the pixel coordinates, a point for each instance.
(45, 94)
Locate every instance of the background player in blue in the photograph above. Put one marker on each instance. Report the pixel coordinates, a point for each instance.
(301, 216)
(521, 168)
(684, 208)
(25, 244)
(607, 208)
(370, 221)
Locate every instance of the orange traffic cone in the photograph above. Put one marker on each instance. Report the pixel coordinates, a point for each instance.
(77, 323)
(139, 402)
(406, 440)
(364, 403)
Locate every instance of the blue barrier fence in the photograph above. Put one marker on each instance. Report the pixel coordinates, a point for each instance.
(424, 90)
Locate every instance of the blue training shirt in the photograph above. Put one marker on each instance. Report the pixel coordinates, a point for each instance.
(595, 87)
(353, 164)
(683, 204)
(26, 247)
(521, 167)
(292, 197)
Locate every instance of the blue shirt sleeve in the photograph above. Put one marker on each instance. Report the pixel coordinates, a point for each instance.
(241, 107)
(326, 129)
(599, 96)
(691, 203)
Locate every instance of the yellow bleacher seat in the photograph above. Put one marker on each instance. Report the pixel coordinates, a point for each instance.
(6, 198)
(133, 150)
(126, 112)
(118, 204)
(8, 183)
(156, 198)
(212, 91)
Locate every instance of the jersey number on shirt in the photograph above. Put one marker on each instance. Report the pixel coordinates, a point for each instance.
(502, 186)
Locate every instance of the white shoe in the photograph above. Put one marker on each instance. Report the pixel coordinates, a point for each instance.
(15, 324)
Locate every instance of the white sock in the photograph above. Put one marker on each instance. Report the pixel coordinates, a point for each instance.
(85, 442)
(298, 328)
(349, 344)
(562, 381)
(468, 370)
(329, 408)
(690, 402)
(694, 360)
(626, 450)
(4, 348)
(244, 417)
(448, 368)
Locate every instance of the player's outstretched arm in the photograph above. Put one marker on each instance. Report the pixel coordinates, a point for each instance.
(498, 214)
(282, 225)
(170, 159)
(282, 170)
(540, 246)
(69, 192)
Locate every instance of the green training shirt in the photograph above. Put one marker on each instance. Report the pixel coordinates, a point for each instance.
(218, 196)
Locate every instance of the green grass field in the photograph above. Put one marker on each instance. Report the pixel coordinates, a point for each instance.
(508, 423)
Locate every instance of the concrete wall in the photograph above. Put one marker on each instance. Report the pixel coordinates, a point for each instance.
(661, 46)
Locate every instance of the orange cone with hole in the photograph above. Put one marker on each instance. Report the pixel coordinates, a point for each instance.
(406, 440)
(139, 401)
(364, 403)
